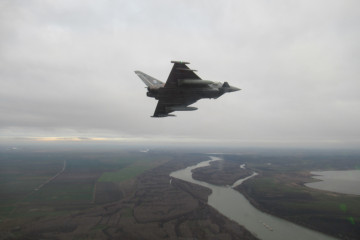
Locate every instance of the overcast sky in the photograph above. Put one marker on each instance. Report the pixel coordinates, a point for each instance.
(67, 69)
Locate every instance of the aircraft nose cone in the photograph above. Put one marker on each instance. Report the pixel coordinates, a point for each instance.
(234, 89)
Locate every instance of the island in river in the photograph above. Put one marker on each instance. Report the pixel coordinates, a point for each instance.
(280, 189)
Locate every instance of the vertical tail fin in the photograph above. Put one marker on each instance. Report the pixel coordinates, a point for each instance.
(149, 81)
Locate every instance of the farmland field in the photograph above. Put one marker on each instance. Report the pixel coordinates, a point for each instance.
(53, 183)
(124, 173)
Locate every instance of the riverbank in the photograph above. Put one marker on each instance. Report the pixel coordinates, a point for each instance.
(245, 190)
(282, 193)
(235, 206)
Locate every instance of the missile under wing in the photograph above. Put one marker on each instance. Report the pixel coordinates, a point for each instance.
(182, 88)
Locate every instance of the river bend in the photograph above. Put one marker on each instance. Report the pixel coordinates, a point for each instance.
(235, 206)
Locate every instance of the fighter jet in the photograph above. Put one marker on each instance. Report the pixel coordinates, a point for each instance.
(182, 88)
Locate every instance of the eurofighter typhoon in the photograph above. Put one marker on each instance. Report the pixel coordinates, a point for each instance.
(182, 88)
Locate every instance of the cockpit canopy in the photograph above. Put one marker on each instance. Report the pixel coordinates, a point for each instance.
(216, 84)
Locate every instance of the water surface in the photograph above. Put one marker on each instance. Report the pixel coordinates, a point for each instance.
(347, 182)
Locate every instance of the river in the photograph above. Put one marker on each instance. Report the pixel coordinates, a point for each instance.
(347, 182)
(235, 206)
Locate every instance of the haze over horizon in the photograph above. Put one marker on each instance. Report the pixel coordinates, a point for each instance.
(67, 70)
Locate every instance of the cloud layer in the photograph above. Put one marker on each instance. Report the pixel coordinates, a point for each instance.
(67, 69)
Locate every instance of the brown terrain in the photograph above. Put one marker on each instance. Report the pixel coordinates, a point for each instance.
(150, 208)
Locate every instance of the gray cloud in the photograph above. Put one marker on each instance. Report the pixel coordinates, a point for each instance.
(67, 68)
